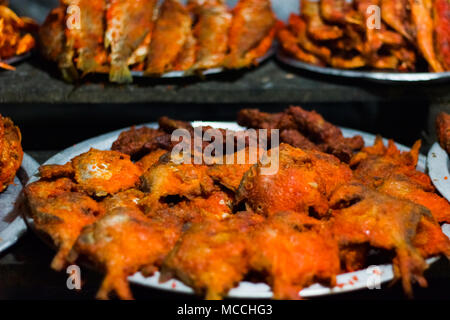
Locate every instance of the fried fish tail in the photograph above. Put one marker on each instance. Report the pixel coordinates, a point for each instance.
(409, 265)
(59, 262)
(120, 73)
(115, 282)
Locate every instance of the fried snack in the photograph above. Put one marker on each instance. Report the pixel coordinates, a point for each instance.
(218, 205)
(362, 215)
(443, 130)
(123, 242)
(302, 183)
(229, 174)
(128, 23)
(294, 251)
(395, 14)
(290, 45)
(317, 28)
(340, 12)
(125, 199)
(424, 26)
(251, 32)
(114, 36)
(299, 28)
(133, 141)
(356, 38)
(14, 39)
(88, 39)
(61, 212)
(11, 153)
(311, 127)
(442, 32)
(170, 179)
(212, 256)
(170, 33)
(150, 159)
(211, 32)
(392, 172)
(98, 173)
(101, 173)
(51, 34)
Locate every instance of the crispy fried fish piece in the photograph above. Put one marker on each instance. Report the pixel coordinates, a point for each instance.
(312, 125)
(393, 172)
(340, 12)
(128, 23)
(302, 183)
(363, 215)
(299, 28)
(170, 179)
(430, 240)
(150, 159)
(442, 31)
(290, 45)
(125, 199)
(123, 242)
(133, 141)
(61, 213)
(317, 28)
(51, 34)
(218, 205)
(328, 136)
(395, 14)
(252, 28)
(101, 173)
(424, 26)
(294, 251)
(11, 153)
(212, 256)
(170, 33)
(86, 39)
(211, 32)
(230, 174)
(443, 130)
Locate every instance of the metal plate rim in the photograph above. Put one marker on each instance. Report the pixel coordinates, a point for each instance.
(386, 77)
(11, 234)
(245, 289)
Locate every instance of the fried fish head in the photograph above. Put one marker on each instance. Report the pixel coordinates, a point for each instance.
(101, 173)
(294, 251)
(211, 256)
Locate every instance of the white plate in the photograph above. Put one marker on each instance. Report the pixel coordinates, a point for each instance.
(438, 163)
(346, 282)
(12, 226)
(377, 76)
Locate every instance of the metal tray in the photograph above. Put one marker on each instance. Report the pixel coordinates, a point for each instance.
(12, 226)
(438, 169)
(17, 59)
(346, 282)
(376, 76)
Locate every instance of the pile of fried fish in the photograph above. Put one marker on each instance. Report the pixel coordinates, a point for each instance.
(332, 206)
(116, 36)
(401, 35)
(15, 36)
